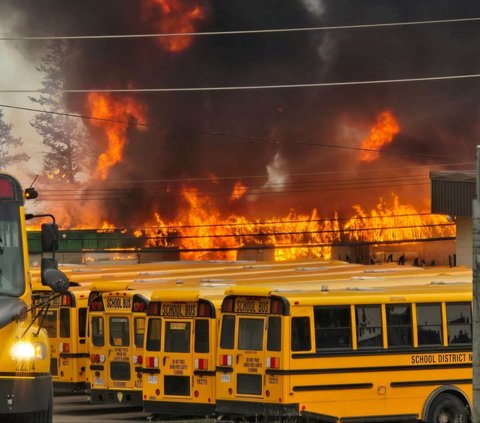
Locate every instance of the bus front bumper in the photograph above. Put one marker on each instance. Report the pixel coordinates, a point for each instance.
(23, 394)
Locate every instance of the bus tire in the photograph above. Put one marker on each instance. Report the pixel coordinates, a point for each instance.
(447, 408)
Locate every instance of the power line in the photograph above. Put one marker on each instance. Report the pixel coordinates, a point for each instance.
(239, 88)
(238, 32)
(232, 135)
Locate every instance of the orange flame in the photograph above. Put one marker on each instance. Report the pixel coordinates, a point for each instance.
(174, 16)
(382, 133)
(238, 191)
(104, 106)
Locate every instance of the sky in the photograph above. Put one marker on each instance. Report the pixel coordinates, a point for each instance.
(279, 148)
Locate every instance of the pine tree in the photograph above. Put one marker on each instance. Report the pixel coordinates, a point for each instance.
(64, 137)
(7, 141)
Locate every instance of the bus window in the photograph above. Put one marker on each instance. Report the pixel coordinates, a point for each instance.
(459, 321)
(50, 323)
(98, 332)
(369, 326)
(119, 332)
(333, 328)
(177, 337)
(202, 336)
(139, 326)
(228, 332)
(82, 322)
(64, 323)
(154, 334)
(429, 324)
(399, 325)
(274, 333)
(250, 334)
(301, 340)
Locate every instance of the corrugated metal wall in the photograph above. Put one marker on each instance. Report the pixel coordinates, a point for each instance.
(450, 196)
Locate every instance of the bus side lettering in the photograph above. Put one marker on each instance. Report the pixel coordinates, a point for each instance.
(444, 358)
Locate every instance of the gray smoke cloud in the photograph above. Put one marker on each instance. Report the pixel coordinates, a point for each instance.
(229, 133)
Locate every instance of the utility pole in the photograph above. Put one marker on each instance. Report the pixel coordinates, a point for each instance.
(476, 296)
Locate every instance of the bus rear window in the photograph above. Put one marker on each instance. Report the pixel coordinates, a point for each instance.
(64, 323)
(399, 325)
(139, 326)
(250, 334)
(333, 327)
(98, 332)
(369, 326)
(429, 324)
(202, 336)
(82, 322)
(459, 323)
(154, 334)
(274, 334)
(228, 332)
(119, 332)
(301, 339)
(177, 337)
(50, 323)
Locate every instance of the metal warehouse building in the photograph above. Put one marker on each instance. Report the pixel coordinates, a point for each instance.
(452, 193)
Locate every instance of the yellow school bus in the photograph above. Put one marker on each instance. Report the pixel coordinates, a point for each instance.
(395, 353)
(117, 329)
(180, 352)
(66, 321)
(25, 380)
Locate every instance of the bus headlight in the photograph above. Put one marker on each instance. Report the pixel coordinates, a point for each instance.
(25, 350)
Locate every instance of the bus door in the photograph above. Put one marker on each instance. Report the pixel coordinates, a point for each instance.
(175, 359)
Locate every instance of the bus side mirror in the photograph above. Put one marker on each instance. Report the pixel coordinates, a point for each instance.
(55, 279)
(49, 237)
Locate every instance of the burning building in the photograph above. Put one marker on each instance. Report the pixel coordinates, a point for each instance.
(301, 166)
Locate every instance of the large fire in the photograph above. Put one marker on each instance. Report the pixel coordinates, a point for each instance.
(381, 134)
(114, 112)
(173, 17)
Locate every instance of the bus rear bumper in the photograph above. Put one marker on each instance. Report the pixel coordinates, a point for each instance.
(110, 396)
(240, 408)
(71, 387)
(178, 408)
(25, 394)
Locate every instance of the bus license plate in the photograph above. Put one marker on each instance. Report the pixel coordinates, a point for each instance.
(153, 379)
(225, 377)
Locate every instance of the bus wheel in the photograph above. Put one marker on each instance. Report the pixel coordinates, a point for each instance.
(447, 408)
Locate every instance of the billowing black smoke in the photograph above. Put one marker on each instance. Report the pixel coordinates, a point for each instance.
(217, 136)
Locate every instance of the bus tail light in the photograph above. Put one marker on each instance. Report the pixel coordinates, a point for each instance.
(94, 358)
(138, 360)
(64, 347)
(151, 362)
(201, 364)
(273, 362)
(225, 359)
(96, 305)
(66, 300)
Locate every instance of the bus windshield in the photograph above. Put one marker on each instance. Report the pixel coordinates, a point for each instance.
(12, 280)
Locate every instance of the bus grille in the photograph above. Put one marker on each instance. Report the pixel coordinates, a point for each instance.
(54, 367)
(177, 385)
(249, 384)
(120, 370)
